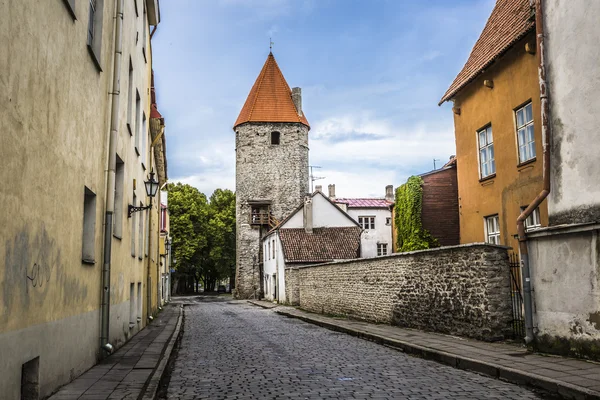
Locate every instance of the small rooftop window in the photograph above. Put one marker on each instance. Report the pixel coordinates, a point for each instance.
(275, 137)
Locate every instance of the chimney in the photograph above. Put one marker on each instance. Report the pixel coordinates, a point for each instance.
(389, 193)
(319, 188)
(308, 215)
(331, 192)
(297, 99)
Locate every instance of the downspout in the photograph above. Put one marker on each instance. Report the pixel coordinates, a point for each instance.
(110, 186)
(545, 111)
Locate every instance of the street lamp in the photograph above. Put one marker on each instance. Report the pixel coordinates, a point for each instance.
(151, 188)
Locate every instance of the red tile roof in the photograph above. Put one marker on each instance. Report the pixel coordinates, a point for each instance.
(270, 99)
(365, 203)
(324, 244)
(510, 21)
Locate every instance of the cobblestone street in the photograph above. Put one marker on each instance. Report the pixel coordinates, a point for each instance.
(233, 350)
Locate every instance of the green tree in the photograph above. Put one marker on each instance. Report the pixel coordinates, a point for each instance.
(203, 234)
(409, 228)
(222, 235)
(189, 218)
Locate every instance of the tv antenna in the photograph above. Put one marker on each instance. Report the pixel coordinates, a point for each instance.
(314, 178)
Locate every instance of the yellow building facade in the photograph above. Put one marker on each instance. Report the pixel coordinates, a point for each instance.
(57, 84)
(498, 131)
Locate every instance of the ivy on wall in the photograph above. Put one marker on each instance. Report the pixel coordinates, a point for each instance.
(409, 228)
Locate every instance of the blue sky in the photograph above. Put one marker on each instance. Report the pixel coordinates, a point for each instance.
(371, 73)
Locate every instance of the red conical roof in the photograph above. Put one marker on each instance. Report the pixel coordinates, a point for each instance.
(270, 99)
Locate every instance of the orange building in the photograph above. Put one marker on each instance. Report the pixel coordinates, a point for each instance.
(497, 128)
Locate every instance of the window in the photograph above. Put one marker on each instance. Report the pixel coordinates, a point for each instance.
(269, 247)
(138, 122)
(487, 163)
(94, 39)
(525, 135)
(132, 307)
(30, 379)
(367, 222)
(273, 249)
(534, 220)
(275, 136)
(259, 215)
(492, 229)
(89, 227)
(130, 99)
(134, 217)
(118, 213)
(145, 33)
(141, 234)
(71, 7)
(139, 301)
(137, 13)
(382, 249)
(146, 231)
(144, 137)
(388, 220)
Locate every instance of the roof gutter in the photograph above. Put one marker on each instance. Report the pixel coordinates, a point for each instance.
(545, 111)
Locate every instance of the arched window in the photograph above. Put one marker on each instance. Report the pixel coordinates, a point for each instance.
(275, 137)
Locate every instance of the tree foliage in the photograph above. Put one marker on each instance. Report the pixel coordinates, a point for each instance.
(203, 233)
(409, 228)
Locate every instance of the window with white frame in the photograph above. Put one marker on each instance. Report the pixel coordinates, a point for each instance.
(533, 220)
(525, 136)
(487, 163)
(492, 229)
(388, 220)
(367, 222)
(382, 249)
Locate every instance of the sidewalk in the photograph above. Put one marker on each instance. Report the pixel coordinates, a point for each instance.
(135, 369)
(567, 377)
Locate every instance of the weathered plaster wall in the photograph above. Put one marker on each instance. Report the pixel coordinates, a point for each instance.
(55, 110)
(515, 77)
(370, 237)
(573, 83)
(565, 271)
(278, 173)
(459, 290)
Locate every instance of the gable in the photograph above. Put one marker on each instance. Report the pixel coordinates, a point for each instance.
(325, 214)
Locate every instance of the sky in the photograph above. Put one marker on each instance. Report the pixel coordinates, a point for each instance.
(371, 71)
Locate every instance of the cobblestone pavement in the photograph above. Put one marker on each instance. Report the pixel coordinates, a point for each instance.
(233, 350)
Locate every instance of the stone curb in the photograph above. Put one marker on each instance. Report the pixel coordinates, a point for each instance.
(262, 304)
(151, 389)
(564, 389)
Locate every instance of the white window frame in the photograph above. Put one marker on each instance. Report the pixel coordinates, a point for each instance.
(382, 249)
(534, 220)
(487, 163)
(367, 222)
(525, 133)
(492, 235)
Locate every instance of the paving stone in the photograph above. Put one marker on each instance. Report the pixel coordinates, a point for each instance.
(238, 351)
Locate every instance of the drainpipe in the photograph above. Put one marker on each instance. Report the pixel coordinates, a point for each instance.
(110, 186)
(545, 111)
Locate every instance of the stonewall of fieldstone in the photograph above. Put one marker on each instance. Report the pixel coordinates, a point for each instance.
(459, 290)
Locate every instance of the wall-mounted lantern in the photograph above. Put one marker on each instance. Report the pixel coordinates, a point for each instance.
(151, 188)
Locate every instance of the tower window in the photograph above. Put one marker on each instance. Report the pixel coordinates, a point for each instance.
(275, 137)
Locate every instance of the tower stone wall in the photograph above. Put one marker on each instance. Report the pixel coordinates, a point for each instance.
(271, 173)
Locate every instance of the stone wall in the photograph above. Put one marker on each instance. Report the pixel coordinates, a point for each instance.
(265, 172)
(459, 290)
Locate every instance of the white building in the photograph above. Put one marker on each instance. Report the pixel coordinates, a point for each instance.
(315, 232)
(374, 215)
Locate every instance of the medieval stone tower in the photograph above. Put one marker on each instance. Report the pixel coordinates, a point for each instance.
(271, 141)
